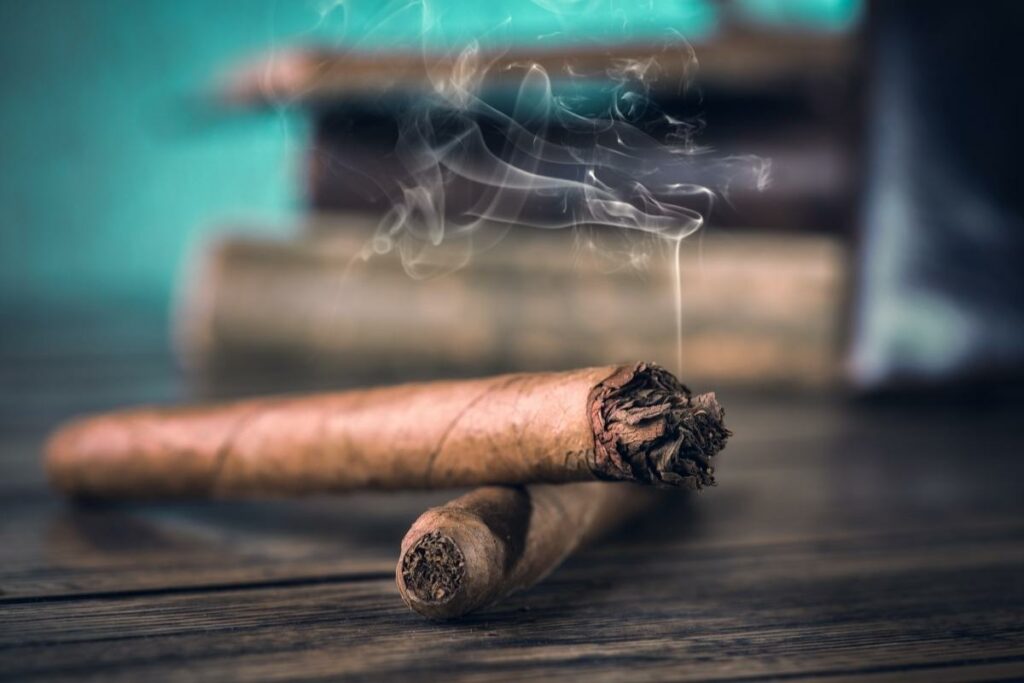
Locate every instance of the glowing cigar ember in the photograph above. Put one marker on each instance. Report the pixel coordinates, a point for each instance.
(632, 423)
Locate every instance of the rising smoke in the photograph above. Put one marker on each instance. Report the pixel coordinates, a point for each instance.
(565, 137)
(566, 134)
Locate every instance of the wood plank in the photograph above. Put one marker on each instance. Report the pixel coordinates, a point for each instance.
(53, 549)
(843, 543)
(847, 608)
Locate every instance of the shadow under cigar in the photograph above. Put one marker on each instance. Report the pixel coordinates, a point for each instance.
(337, 534)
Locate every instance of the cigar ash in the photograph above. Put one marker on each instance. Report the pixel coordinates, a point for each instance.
(648, 427)
(434, 569)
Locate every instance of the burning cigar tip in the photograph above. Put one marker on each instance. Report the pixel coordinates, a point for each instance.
(649, 427)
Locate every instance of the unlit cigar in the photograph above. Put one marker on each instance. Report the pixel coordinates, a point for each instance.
(633, 423)
(499, 539)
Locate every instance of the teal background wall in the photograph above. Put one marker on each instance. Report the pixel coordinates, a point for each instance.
(108, 180)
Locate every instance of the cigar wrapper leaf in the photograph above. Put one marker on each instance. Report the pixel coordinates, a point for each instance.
(629, 423)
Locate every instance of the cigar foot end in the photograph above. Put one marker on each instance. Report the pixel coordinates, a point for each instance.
(648, 427)
(433, 570)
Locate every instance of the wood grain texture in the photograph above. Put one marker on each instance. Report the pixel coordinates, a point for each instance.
(842, 543)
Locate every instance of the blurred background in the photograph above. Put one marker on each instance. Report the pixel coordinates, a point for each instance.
(211, 178)
(789, 202)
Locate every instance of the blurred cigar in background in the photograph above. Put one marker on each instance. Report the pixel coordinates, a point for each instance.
(496, 540)
(631, 423)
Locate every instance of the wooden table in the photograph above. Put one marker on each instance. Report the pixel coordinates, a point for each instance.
(843, 542)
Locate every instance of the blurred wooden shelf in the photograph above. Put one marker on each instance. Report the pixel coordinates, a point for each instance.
(739, 58)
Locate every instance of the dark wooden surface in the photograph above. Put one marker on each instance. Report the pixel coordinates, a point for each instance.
(843, 542)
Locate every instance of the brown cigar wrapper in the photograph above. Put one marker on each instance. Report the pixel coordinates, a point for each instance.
(630, 422)
(499, 539)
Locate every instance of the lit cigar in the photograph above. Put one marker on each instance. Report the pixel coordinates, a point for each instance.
(631, 423)
(499, 539)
